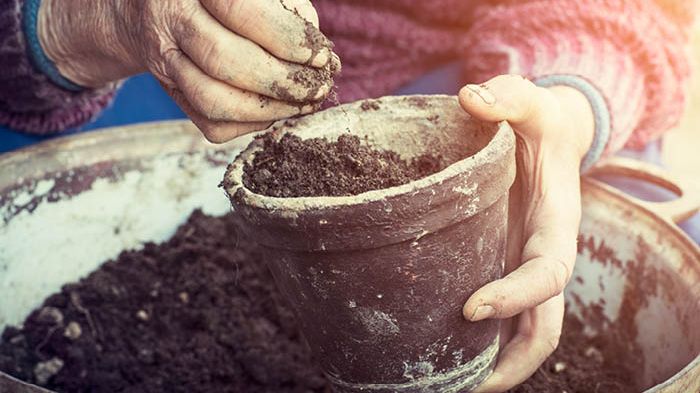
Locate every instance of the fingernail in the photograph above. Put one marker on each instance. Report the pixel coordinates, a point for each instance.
(321, 58)
(322, 93)
(482, 312)
(336, 67)
(483, 93)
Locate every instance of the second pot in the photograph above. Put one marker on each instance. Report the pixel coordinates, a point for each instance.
(378, 280)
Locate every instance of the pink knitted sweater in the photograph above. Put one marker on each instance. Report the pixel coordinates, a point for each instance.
(632, 51)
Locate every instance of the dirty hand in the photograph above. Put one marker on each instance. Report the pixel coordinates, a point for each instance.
(233, 66)
(554, 129)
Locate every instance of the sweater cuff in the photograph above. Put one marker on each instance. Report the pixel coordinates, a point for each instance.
(601, 114)
(36, 53)
(29, 100)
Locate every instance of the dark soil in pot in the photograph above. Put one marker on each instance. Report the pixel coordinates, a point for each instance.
(200, 313)
(292, 167)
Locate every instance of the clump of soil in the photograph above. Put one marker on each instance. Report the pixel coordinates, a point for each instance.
(200, 313)
(313, 79)
(292, 167)
(582, 364)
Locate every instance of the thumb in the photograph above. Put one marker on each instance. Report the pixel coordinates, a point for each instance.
(508, 97)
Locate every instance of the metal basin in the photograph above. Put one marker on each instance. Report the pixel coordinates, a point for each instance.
(70, 204)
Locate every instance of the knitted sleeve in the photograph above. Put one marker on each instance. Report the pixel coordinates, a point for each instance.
(633, 52)
(29, 100)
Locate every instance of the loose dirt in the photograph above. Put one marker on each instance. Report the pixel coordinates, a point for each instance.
(292, 167)
(200, 313)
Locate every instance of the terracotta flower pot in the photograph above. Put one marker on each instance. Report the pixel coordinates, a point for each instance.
(378, 280)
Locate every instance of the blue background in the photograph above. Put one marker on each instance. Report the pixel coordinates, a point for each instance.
(141, 99)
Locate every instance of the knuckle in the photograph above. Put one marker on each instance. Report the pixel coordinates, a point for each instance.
(178, 19)
(214, 138)
(530, 108)
(171, 57)
(205, 104)
(185, 24)
(210, 53)
(558, 276)
(167, 82)
(166, 63)
(214, 58)
(221, 132)
(242, 13)
(551, 342)
(545, 344)
(213, 132)
(161, 59)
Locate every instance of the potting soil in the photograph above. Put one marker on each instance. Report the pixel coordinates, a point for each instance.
(582, 364)
(292, 167)
(200, 313)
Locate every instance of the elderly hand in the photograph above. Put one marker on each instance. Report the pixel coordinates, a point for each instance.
(554, 129)
(232, 66)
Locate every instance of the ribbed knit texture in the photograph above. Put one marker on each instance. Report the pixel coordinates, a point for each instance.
(634, 51)
(29, 101)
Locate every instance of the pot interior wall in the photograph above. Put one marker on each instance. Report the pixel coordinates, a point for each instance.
(632, 282)
(407, 133)
(60, 226)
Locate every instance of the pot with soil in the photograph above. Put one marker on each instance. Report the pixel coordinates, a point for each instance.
(380, 219)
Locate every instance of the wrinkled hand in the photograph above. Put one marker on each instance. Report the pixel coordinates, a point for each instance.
(232, 66)
(554, 129)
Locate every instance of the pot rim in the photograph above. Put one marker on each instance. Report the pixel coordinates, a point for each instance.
(499, 145)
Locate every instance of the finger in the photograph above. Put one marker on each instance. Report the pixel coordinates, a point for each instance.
(537, 338)
(276, 28)
(240, 62)
(214, 131)
(516, 292)
(303, 8)
(516, 237)
(218, 101)
(549, 254)
(512, 98)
